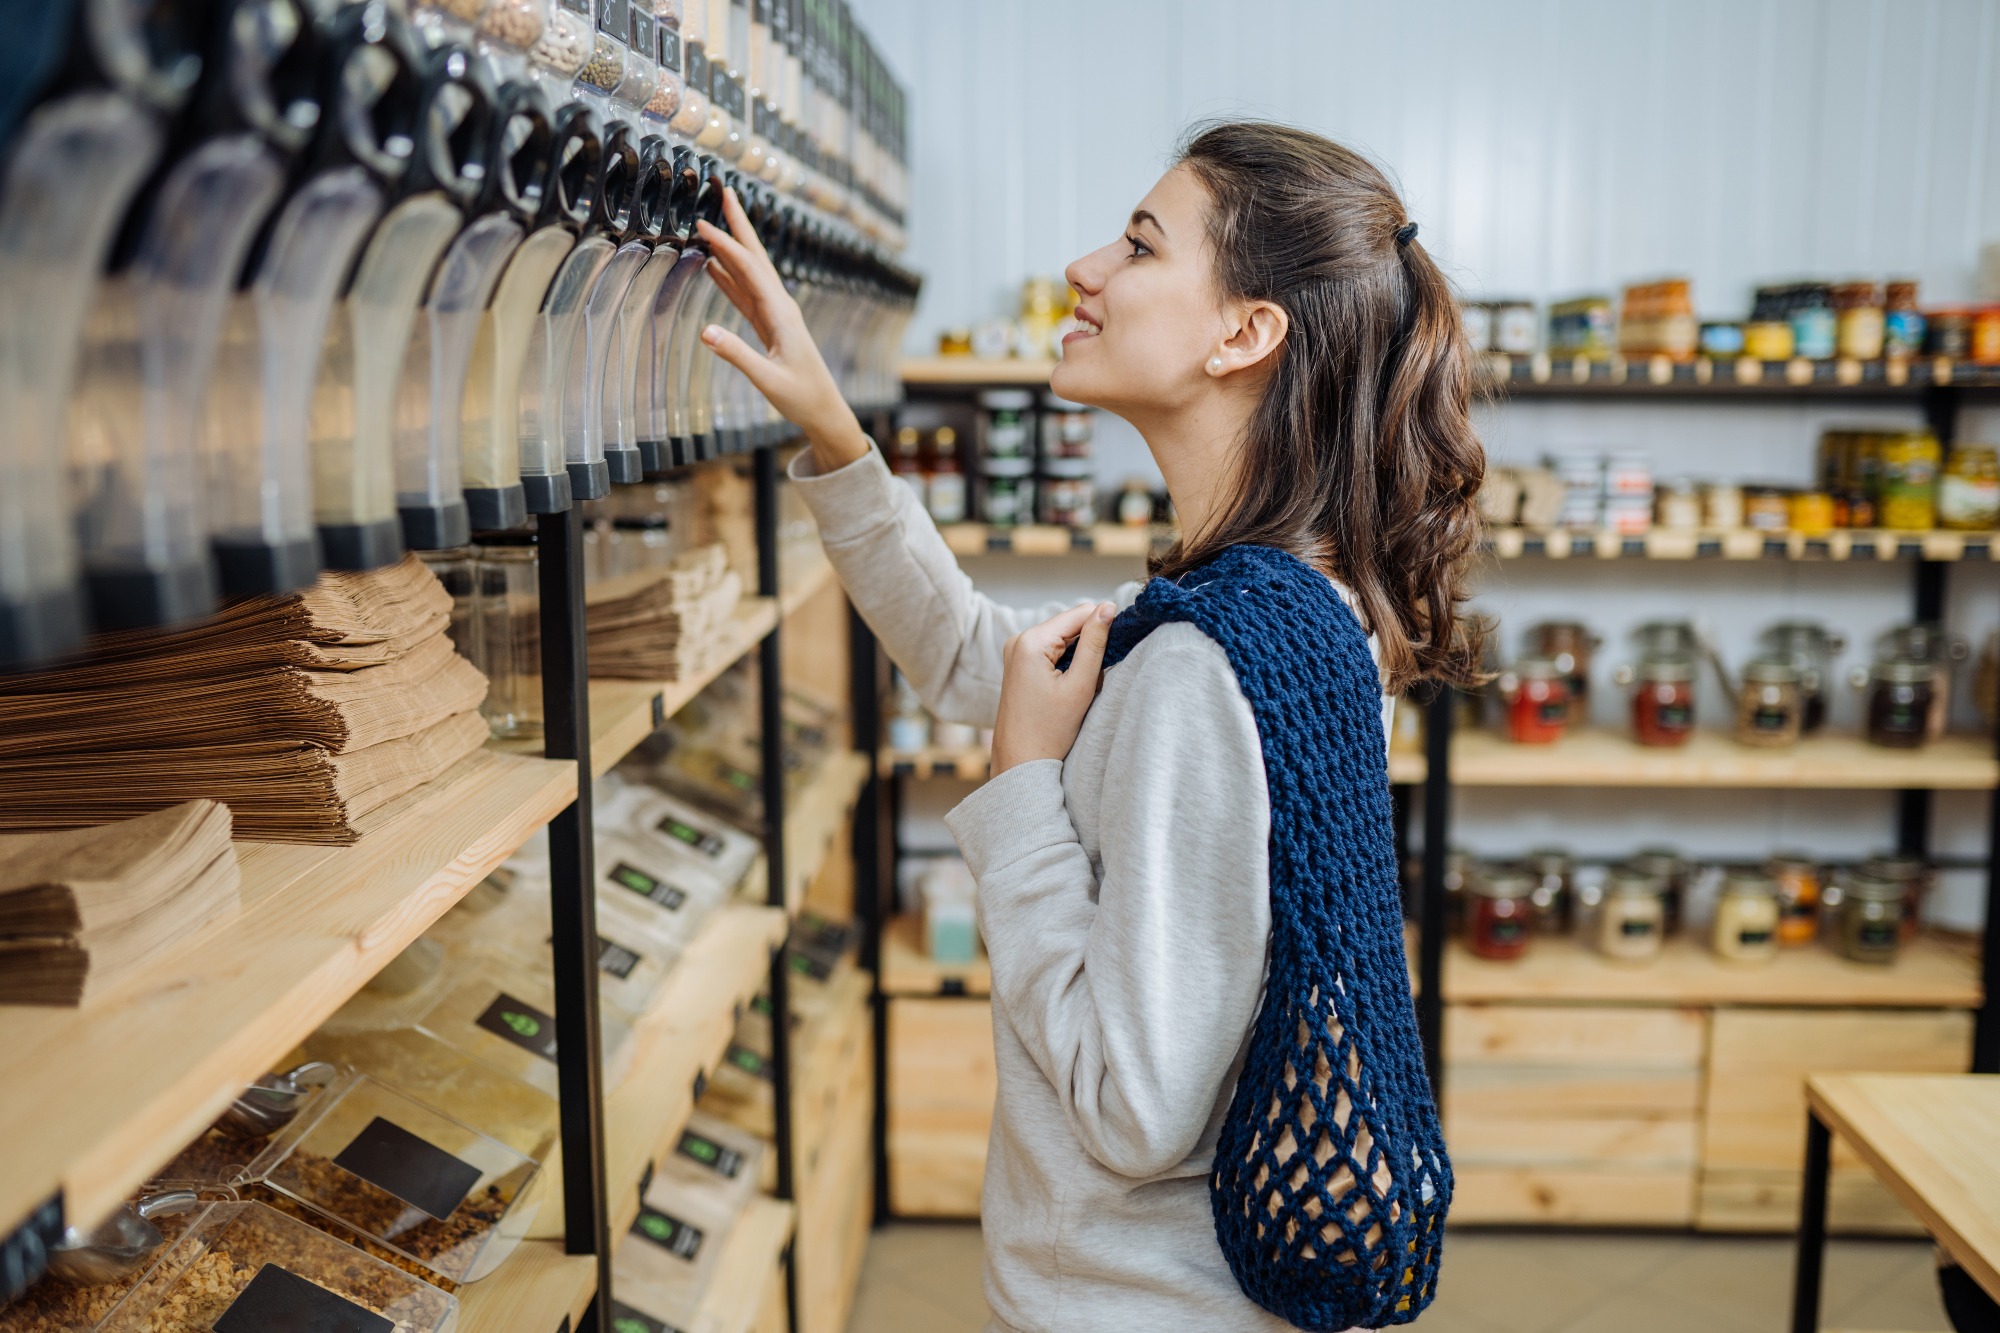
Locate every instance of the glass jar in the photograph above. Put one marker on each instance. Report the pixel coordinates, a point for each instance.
(564, 45)
(1859, 321)
(1914, 874)
(1798, 885)
(1969, 489)
(1766, 509)
(1671, 873)
(1871, 919)
(1746, 917)
(1909, 481)
(642, 64)
(515, 23)
(1569, 645)
(1677, 505)
(1811, 648)
(1667, 638)
(1903, 322)
(1502, 913)
(1630, 923)
(454, 569)
(509, 619)
(1537, 694)
(1663, 700)
(1932, 643)
(1770, 710)
(605, 69)
(669, 91)
(1900, 693)
(1722, 506)
(1551, 896)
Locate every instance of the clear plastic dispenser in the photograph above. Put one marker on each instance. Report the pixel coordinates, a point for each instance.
(53, 239)
(245, 1265)
(697, 364)
(685, 340)
(612, 315)
(353, 483)
(490, 468)
(648, 326)
(544, 411)
(507, 379)
(436, 505)
(450, 171)
(256, 441)
(591, 345)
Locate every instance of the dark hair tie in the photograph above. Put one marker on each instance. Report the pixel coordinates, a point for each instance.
(1406, 233)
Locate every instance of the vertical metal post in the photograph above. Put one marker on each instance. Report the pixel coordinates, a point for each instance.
(771, 723)
(1812, 1228)
(1431, 919)
(1913, 807)
(871, 903)
(572, 899)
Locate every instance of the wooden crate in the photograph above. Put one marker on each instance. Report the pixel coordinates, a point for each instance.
(1568, 1115)
(941, 1086)
(837, 1195)
(1754, 1109)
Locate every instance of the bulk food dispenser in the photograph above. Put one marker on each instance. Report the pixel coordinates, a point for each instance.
(625, 423)
(646, 346)
(71, 170)
(355, 468)
(686, 424)
(295, 84)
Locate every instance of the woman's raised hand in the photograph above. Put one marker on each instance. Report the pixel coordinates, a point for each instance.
(789, 370)
(1042, 708)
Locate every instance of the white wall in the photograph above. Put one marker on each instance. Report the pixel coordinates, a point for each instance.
(1547, 147)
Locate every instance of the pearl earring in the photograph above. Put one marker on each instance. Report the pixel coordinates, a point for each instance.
(1214, 363)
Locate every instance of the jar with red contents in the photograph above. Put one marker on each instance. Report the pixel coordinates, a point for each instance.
(1538, 696)
(1503, 911)
(1662, 699)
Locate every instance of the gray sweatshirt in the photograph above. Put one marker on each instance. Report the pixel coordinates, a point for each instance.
(1124, 897)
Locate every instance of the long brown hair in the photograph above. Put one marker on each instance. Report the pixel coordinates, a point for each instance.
(1361, 458)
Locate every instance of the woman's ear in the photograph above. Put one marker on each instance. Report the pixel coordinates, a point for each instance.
(1256, 330)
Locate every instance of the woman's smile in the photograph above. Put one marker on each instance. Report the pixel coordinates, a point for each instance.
(1088, 326)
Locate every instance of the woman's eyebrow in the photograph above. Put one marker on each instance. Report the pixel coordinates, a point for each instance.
(1141, 215)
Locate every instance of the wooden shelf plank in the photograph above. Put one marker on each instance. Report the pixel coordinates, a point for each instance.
(1862, 545)
(1928, 974)
(908, 970)
(1542, 376)
(817, 816)
(746, 1269)
(533, 1292)
(1595, 758)
(975, 763)
(970, 370)
(92, 1100)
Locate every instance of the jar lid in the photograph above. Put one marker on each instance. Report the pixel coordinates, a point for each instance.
(1664, 862)
(1790, 631)
(1502, 882)
(1630, 881)
(1904, 671)
(1790, 861)
(1537, 668)
(1748, 882)
(1896, 866)
(1770, 671)
(1873, 888)
(1666, 668)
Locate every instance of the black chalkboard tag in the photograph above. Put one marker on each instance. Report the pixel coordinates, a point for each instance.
(669, 1233)
(624, 1319)
(653, 889)
(280, 1301)
(523, 1024)
(700, 1148)
(416, 1171)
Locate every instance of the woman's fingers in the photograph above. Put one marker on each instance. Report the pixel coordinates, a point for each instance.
(1052, 636)
(752, 268)
(753, 363)
(1089, 659)
(739, 225)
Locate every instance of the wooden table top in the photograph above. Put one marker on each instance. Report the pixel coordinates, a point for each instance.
(1934, 1140)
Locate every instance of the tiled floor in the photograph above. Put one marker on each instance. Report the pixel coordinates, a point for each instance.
(924, 1278)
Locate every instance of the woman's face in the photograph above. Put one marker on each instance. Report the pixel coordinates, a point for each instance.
(1147, 308)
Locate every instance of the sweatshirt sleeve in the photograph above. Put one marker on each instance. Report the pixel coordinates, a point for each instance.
(944, 635)
(1132, 982)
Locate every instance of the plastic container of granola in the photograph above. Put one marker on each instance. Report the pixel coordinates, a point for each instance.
(54, 1305)
(246, 1268)
(502, 1013)
(424, 1186)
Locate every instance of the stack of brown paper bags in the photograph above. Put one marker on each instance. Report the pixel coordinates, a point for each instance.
(80, 909)
(662, 625)
(302, 713)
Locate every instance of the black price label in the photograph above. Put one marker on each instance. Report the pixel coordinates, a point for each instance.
(614, 18)
(616, 959)
(628, 876)
(670, 49)
(643, 38)
(703, 841)
(523, 1024)
(624, 1319)
(418, 1172)
(697, 67)
(280, 1301)
(811, 965)
(750, 1062)
(733, 100)
(700, 1148)
(669, 1233)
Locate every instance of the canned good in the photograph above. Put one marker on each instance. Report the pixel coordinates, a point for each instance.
(1871, 919)
(1768, 340)
(1766, 508)
(1909, 476)
(1811, 513)
(1004, 424)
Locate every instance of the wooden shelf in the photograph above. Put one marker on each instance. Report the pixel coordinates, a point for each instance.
(908, 970)
(746, 1269)
(533, 1292)
(975, 764)
(1106, 539)
(1865, 545)
(976, 371)
(1594, 758)
(94, 1099)
(1543, 376)
(1929, 974)
(816, 816)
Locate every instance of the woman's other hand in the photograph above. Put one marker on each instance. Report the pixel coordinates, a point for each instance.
(1042, 708)
(789, 370)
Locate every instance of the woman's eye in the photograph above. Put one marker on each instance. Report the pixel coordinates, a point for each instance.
(1139, 247)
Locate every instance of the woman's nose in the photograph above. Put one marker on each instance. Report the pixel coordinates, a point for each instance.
(1086, 274)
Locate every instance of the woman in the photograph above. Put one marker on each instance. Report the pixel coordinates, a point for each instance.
(1294, 361)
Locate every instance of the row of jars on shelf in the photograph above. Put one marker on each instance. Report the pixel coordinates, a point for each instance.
(1780, 695)
(330, 284)
(1863, 912)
